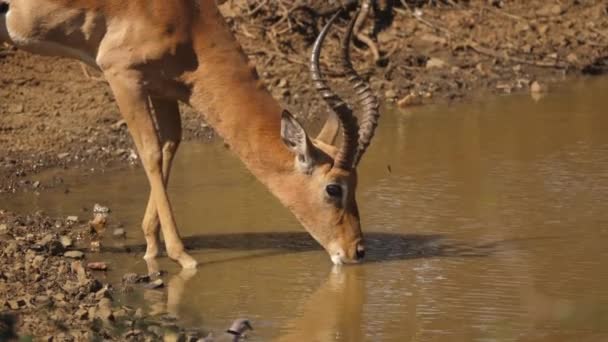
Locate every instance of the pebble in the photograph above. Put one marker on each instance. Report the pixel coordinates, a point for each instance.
(98, 266)
(74, 254)
(409, 100)
(55, 247)
(72, 218)
(119, 233)
(390, 94)
(536, 87)
(16, 108)
(65, 241)
(3, 228)
(63, 155)
(435, 63)
(156, 284)
(132, 278)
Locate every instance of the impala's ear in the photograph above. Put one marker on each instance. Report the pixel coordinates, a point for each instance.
(296, 139)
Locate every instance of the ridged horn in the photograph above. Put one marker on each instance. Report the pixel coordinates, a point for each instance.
(345, 157)
(365, 97)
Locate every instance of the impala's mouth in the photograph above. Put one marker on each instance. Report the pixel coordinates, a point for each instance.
(339, 259)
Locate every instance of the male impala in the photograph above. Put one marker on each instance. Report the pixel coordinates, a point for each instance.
(155, 53)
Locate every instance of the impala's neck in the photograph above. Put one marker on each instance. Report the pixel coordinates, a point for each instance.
(227, 91)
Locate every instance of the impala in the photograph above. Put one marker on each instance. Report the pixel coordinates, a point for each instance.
(154, 53)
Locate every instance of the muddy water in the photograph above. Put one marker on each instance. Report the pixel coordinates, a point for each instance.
(485, 221)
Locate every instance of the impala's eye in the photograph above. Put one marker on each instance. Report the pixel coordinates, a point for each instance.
(334, 190)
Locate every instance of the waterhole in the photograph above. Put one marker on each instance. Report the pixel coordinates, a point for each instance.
(484, 221)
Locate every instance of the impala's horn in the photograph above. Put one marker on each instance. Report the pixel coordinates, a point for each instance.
(365, 97)
(348, 122)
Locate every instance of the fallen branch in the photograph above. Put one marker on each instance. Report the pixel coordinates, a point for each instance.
(504, 56)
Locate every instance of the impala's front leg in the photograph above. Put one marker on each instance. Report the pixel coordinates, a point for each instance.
(133, 103)
(166, 113)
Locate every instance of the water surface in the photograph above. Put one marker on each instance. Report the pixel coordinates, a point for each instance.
(485, 221)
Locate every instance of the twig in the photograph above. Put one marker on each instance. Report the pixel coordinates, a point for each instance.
(503, 13)
(424, 21)
(489, 52)
(257, 8)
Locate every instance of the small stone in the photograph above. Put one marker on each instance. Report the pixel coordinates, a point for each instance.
(572, 58)
(82, 314)
(16, 108)
(65, 241)
(46, 239)
(282, 83)
(100, 209)
(118, 125)
(55, 248)
(63, 155)
(3, 228)
(72, 218)
(36, 184)
(104, 310)
(95, 246)
(390, 94)
(435, 63)
(132, 278)
(536, 87)
(119, 233)
(74, 254)
(97, 266)
(156, 284)
(409, 100)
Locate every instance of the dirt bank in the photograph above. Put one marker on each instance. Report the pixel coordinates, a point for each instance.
(52, 287)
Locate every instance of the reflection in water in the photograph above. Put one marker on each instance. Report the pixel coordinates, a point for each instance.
(333, 311)
(484, 222)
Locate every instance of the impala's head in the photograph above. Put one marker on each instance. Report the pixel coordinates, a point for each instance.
(331, 177)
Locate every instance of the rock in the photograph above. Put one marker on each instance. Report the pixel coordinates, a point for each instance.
(55, 248)
(36, 184)
(435, 63)
(72, 218)
(132, 278)
(282, 83)
(95, 286)
(118, 125)
(82, 314)
(132, 334)
(3, 228)
(97, 266)
(16, 108)
(104, 310)
(45, 240)
(63, 155)
(156, 284)
(390, 94)
(572, 58)
(536, 87)
(95, 246)
(409, 100)
(65, 241)
(74, 254)
(100, 209)
(119, 233)
(103, 293)
(98, 223)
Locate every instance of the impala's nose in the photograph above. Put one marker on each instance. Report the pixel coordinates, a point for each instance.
(360, 252)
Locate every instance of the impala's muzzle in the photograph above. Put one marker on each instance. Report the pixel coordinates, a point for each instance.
(352, 255)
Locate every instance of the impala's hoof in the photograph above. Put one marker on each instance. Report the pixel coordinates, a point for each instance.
(186, 261)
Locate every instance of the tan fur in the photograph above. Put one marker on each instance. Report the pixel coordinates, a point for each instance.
(182, 50)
